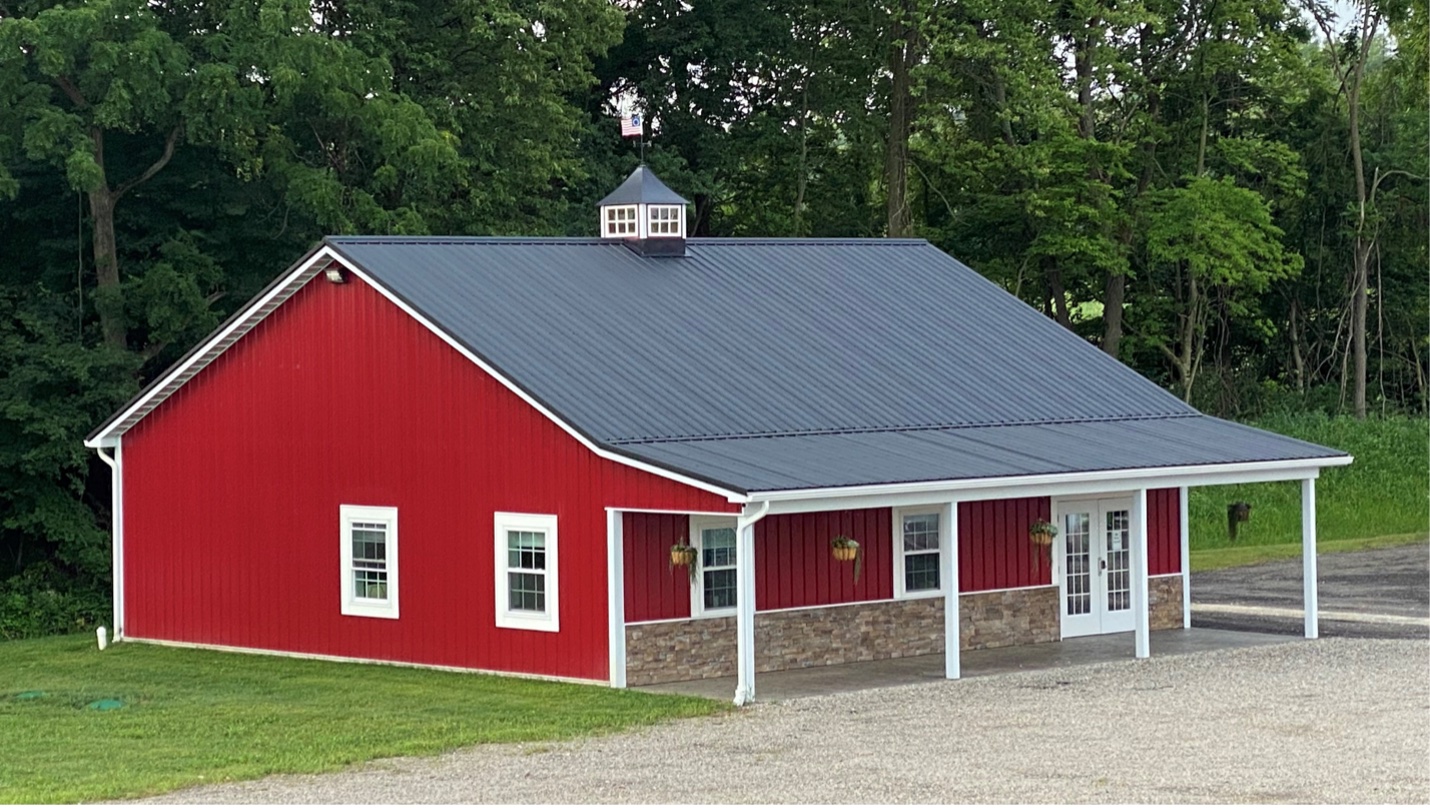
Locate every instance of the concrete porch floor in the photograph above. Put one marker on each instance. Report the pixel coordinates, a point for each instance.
(820, 680)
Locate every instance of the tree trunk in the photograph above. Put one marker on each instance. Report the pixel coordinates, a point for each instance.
(1057, 293)
(108, 301)
(1360, 272)
(1112, 312)
(901, 102)
(1298, 361)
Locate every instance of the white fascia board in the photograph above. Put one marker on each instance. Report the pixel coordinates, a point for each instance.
(213, 347)
(794, 501)
(280, 292)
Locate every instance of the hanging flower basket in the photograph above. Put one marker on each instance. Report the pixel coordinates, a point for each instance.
(847, 550)
(682, 555)
(1042, 533)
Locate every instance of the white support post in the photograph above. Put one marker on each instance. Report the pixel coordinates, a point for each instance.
(1186, 531)
(952, 636)
(745, 612)
(1139, 574)
(616, 594)
(1308, 557)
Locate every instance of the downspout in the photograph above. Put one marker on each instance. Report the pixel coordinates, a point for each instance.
(745, 614)
(116, 512)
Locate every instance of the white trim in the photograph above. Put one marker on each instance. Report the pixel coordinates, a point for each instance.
(952, 603)
(366, 661)
(116, 546)
(791, 501)
(1186, 540)
(261, 308)
(624, 510)
(900, 593)
(368, 607)
(609, 221)
(698, 523)
(616, 597)
(1310, 598)
(216, 344)
(1140, 602)
(1163, 576)
(548, 620)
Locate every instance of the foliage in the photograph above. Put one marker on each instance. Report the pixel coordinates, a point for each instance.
(1383, 493)
(194, 716)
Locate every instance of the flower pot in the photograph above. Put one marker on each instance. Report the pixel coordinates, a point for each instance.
(845, 554)
(1044, 539)
(682, 557)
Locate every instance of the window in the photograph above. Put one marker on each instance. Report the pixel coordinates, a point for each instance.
(666, 220)
(917, 538)
(526, 571)
(368, 539)
(619, 220)
(715, 586)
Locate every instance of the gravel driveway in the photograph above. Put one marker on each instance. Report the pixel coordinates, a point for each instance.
(1335, 720)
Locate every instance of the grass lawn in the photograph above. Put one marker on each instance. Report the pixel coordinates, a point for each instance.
(192, 716)
(1384, 494)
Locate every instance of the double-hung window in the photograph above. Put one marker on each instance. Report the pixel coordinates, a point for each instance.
(526, 582)
(368, 543)
(715, 586)
(917, 539)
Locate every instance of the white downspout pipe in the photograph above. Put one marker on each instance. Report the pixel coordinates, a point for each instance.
(745, 602)
(116, 512)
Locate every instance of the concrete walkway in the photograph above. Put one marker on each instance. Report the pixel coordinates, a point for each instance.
(821, 680)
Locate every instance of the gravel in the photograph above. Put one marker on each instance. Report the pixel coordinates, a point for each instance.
(1334, 720)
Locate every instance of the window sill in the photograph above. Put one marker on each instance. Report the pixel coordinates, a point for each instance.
(531, 622)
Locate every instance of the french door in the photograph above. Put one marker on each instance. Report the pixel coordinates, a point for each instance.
(1095, 566)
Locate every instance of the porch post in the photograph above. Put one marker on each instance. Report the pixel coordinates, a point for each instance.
(745, 603)
(1186, 558)
(615, 595)
(1139, 574)
(952, 637)
(1308, 557)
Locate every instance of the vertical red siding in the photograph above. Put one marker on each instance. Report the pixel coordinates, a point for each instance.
(795, 566)
(994, 552)
(1164, 532)
(232, 490)
(655, 589)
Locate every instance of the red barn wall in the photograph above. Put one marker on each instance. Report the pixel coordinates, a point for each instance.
(655, 589)
(232, 489)
(1164, 532)
(795, 565)
(994, 552)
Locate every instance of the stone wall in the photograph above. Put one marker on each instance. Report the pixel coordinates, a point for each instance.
(670, 651)
(1164, 602)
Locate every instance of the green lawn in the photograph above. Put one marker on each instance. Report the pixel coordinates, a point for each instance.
(1383, 494)
(192, 717)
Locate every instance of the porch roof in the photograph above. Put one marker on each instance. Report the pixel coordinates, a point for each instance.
(909, 456)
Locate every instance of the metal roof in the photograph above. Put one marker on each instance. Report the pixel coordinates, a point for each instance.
(775, 363)
(643, 187)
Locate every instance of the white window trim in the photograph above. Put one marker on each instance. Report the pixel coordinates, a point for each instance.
(608, 229)
(697, 583)
(900, 593)
(549, 621)
(367, 607)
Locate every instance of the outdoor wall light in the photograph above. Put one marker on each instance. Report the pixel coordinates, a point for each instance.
(335, 274)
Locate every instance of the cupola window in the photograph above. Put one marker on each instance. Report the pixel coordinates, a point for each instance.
(666, 220)
(621, 221)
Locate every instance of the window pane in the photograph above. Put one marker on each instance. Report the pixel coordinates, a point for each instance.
(369, 584)
(526, 591)
(719, 589)
(921, 571)
(921, 532)
(526, 550)
(717, 546)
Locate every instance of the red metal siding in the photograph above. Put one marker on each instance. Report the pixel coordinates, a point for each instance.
(795, 566)
(232, 490)
(655, 589)
(1164, 532)
(994, 552)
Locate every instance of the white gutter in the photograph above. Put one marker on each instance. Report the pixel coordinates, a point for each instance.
(116, 512)
(1066, 483)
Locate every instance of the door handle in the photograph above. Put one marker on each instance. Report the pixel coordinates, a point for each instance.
(1101, 565)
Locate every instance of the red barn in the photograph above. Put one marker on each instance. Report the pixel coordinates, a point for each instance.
(492, 453)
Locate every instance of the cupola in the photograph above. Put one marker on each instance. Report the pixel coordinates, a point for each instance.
(647, 214)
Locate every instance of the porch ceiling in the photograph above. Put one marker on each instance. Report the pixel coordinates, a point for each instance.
(972, 453)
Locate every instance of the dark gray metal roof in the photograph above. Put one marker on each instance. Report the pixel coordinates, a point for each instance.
(835, 362)
(643, 187)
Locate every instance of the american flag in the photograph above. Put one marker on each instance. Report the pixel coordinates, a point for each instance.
(631, 126)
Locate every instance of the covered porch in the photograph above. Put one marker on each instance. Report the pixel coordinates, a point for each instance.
(846, 677)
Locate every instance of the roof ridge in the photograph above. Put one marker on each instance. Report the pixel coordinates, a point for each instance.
(686, 439)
